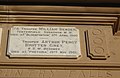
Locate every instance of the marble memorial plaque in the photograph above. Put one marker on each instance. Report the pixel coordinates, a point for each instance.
(47, 42)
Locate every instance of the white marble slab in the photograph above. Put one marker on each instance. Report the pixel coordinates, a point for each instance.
(41, 41)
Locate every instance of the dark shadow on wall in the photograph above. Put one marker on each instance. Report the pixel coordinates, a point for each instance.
(92, 3)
